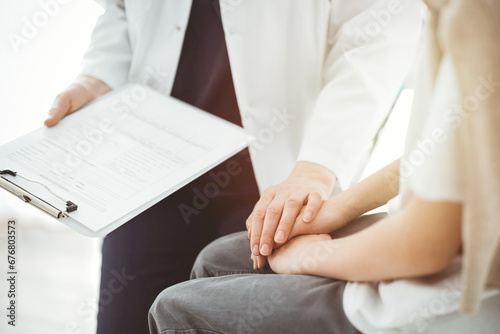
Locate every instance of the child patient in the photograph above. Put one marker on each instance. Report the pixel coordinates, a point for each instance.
(431, 266)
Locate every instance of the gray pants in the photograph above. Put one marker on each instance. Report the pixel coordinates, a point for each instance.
(225, 295)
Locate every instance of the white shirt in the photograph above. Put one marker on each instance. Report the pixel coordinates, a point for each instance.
(314, 80)
(431, 169)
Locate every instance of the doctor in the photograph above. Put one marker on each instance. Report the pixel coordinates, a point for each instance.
(312, 81)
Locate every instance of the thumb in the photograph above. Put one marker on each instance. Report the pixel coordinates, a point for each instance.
(67, 103)
(60, 108)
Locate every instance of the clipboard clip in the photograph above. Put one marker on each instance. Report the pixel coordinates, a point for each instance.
(28, 197)
(8, 172)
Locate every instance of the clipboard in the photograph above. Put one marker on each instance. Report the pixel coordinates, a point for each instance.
(116, 157)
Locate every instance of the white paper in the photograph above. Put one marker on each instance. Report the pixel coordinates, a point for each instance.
(120, 155)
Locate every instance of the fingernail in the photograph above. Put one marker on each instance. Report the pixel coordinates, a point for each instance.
(265, 250)
(307, 217)
(48, 117)
(280, 236)
(255, 249)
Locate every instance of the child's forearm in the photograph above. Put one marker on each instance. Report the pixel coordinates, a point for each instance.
(371, 193)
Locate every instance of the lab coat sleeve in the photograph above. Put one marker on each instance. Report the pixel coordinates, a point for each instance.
(109, 54)
(369, 56)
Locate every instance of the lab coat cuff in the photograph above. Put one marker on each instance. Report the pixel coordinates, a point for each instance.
(328, 160)
(112, 80)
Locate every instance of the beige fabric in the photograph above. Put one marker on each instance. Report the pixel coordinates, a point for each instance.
(469, 31)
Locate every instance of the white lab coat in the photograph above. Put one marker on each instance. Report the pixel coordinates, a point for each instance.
(314, 79)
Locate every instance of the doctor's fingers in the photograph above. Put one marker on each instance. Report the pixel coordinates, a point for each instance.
(314, 202)
(259, 261)
(248, 224)
(291, 209)
(258, 215)
(66, 103)
(274, 212)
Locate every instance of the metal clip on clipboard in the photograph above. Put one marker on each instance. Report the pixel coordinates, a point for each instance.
(33, 199)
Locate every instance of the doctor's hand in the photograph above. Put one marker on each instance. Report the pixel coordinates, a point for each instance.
(82, 91)
(274, 215)
(334, 214)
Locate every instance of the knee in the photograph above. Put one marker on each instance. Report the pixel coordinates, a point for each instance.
(219, 254)
(162, 312)
(158, 313)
